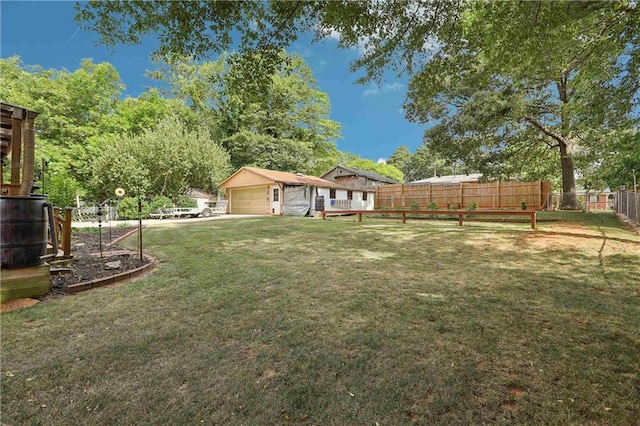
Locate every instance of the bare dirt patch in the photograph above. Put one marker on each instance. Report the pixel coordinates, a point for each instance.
(87, 263)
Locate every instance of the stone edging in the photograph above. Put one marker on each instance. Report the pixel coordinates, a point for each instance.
(113, 279)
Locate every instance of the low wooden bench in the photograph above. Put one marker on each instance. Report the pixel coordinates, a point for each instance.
(459, 213)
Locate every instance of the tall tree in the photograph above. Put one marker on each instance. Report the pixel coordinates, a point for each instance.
(253, 120)
(533, 82)
(71, 105)
(545, 73)
(400, 159)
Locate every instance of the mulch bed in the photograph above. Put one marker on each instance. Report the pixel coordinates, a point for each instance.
(87, 264)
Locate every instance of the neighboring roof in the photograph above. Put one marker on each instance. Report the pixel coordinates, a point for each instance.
(199, 193)
(287, 178)
(474, 177)
(364, 173)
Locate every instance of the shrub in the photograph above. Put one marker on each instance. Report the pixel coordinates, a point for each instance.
(61, 189)
(128, 208)
(415, 205)
(473, 206)
(432, 206)
(523, 205)
(186, 202)
(160, 202)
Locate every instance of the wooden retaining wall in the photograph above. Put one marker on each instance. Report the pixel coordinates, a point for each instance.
(486, 195)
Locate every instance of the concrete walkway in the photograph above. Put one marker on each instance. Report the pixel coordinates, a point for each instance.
(160, 222)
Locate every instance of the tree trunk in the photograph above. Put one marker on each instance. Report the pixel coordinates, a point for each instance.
(569, 199)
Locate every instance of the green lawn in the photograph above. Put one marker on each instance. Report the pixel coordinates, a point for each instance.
(286, 320)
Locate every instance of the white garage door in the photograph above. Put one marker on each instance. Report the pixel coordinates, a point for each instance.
(250, 201)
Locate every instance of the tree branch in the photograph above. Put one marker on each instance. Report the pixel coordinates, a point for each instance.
(556, 136)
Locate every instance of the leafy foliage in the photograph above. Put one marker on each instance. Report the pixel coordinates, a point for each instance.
(387, 170)
(165, 160)
(283, 124)
(504, 80)
(71, 105)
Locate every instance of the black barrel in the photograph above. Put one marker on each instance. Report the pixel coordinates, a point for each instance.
(23, 231)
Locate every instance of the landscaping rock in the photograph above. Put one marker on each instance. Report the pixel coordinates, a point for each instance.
(112, 265)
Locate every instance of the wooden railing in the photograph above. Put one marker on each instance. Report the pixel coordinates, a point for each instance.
(63, 230)
(459, 213)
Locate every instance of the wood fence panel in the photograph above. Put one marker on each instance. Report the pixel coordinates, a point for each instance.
(486, 195)
(513, 194)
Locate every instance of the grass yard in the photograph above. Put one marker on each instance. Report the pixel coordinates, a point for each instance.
(286, 320)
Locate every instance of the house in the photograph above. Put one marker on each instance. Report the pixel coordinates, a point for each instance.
(589, 199)
(251, 190)
(351, 177)
(474, 177)
(203, 199)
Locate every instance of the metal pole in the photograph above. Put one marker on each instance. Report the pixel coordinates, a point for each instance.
(100, 228)
(109, 216)
(140, 226)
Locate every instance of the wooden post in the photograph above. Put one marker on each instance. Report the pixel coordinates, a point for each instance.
(429, 193)
(461, 194)
(459, 219)
(402, 194)
(359, 216)
(533, 220)
(16, 146)
(323, 215)
(497, 205)
(66, 231)
(404, 217)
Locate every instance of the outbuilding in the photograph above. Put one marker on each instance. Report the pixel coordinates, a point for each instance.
(356, 178)
(251, 190)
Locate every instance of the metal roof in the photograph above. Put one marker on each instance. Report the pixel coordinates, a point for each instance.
(364, 173)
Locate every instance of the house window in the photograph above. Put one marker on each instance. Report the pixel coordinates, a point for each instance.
(276, 194)
(332, 193)
(349, 195)
(593, 198)
(364, 196)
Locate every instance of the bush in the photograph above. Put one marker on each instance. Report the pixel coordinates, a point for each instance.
(473, 206)
(432, 206)
(186, 202)
(61, 190)
(415, 206)
(523, 205)
(160, 202)
(128, 208)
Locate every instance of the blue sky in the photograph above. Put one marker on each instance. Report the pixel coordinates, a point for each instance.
(44, 33)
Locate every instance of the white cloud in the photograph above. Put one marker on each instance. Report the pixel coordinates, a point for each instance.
(374, 89)
(334, 35)
(382, 160)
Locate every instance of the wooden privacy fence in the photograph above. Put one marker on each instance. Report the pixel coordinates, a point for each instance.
(485, 195)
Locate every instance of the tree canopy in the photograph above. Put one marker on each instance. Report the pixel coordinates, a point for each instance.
(283, 125)
(510, 84)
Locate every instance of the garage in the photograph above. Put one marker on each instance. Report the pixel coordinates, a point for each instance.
(249, 200)
(251, 190)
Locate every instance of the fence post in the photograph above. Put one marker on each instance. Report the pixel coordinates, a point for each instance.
(586, 202)
(627, 192)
